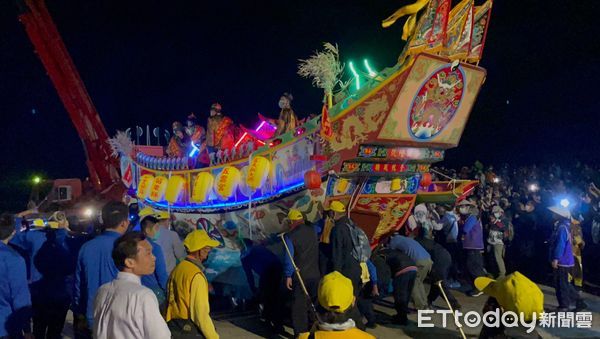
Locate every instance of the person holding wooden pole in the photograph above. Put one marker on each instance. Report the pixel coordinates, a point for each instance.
(301, 270)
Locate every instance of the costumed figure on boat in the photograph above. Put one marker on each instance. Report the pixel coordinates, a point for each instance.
(197, 136)
(219, 135)
(179, 143)
(287, 118)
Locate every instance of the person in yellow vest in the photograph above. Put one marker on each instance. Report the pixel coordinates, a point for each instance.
(188, 308)
(336, 298)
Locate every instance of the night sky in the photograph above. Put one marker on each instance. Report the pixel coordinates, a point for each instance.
(149, 62)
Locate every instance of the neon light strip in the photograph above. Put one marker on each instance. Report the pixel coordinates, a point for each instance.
(245, 133)
(194, 150)
(260, 126)
(226, 204)
(353, 70)
(240, 140)
(371, 73)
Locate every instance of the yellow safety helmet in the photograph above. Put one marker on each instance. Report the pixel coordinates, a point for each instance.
(337, 206)
(295, 215)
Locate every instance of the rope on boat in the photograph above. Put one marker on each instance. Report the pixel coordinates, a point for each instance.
(452, 181)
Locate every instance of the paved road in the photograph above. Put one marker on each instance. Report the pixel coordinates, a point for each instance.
(247, 325)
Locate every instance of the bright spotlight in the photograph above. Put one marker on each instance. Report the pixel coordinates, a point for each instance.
(36, 180)
(496, 180)
(533, 188)
(564, 203)
(88, 212)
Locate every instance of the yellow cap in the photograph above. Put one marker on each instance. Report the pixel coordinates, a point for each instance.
(39, 223)
(515, 292)
(295, 215)
(336, 292)
(146, 211)
(337, 206)
(197, 240)
(161, 215)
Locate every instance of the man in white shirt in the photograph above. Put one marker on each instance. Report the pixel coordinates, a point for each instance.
(123, 307)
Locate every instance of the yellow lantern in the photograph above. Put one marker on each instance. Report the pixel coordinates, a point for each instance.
(145, 186)
(227, 182)
(202, 186)
(243, 187)
(342, 186)
(175, 186)
(258, 171)
(397, 184)
(159, 187)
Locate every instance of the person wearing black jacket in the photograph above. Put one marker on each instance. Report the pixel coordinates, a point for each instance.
(260, 260)
(303, 245)
(341, 254)
(342, 259)
(439, 271)
(404, 272)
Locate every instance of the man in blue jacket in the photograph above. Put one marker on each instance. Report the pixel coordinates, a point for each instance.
(472, 243)
(562, 260)
(422, 258)
(95, 265)
(15, 301)
(50, 265)
(157, 281)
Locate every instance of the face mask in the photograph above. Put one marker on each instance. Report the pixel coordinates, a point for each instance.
(156, 235)
(283, 103)
(497, 215)
(463, 210)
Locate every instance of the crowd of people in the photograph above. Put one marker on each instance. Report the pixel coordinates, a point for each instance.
(220, 134)
(147, 281)
(522, 196)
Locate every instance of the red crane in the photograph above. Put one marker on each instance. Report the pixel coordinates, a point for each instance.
(52, 52)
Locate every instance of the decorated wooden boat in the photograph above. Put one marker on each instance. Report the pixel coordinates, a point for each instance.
(386, 134)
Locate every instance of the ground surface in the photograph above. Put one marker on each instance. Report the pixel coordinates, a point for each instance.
(247, 325)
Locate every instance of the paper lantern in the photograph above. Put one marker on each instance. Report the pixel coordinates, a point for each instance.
(145, 186)
(312, 180)
(227, 181)
(257, 172)
(175, 186)
(426, 179)
(159, 187)
(243, 187)
(342, 186)
(202, 186)
(398, 185)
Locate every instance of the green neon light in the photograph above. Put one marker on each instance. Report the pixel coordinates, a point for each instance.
(353, 70)
(371, 73)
